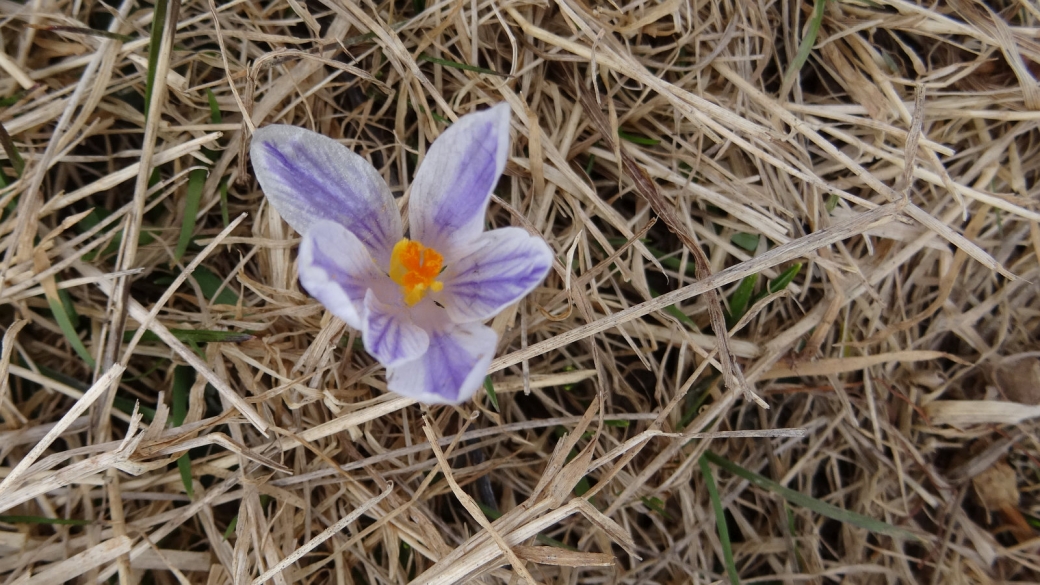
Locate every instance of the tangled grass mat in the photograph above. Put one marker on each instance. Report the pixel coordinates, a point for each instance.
(789, 335)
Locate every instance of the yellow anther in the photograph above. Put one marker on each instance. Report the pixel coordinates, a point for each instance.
(415, 267)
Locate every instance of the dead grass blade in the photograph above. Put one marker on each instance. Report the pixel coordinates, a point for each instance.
(849, 230)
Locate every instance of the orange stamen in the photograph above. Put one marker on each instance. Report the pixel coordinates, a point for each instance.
(415, 267)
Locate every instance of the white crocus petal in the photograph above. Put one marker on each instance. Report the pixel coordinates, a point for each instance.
(309, 177)
(454, 182)
(508, 263)
(336, 268)
(389, 333)
(452, 368)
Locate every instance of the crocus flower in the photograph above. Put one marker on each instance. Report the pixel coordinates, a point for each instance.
(419, 301)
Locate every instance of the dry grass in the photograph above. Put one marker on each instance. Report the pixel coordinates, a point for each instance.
(897, 162)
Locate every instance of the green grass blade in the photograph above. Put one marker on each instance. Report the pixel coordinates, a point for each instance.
(1033, 521)
(590, 165)
(462, 66)
(741, 298)
(214, 108)
(637, 138)
(656, 504)
(792, 529)
(682, 317)
(70, 307)
(492, 396)
(439, 118)
(675, 312)
(832, 202)
(192, 199)
(696, 398)
(196, 348)
(211, 287)
(123, 404)
(159, 363)
(780, 282)
(490, 512)
(358, 39)
(820, 507)
(61, 315)
(13, 98)
(720, 521)
(95, 217)
(668, 261)
(126, 406)
(154, 44)
(183, 379)
(184, 467)
(193, 336)
(582, 487)
(231, 527)
(17, 163)
(805, 48)
(225, 216)
(745, 240)
(215, 117)
(44, 520)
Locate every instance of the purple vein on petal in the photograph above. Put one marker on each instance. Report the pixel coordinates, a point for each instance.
(336, 268)
(446, 371)
(308, 177)
(507, 265)
(453, 185)
(453, 367)
(472, 188)
(390, 335)
(319, 194)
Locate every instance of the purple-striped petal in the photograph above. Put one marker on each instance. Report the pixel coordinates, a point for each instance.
(453, 185)
(508, 264)
(389, 333)
(452, 368)
(307, 177)
(336, 268)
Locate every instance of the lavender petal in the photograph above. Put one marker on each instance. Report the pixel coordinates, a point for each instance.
(336, 268)
(390, 335)
(452, 368)
(508, 264)
(454, 183)
(307, 177)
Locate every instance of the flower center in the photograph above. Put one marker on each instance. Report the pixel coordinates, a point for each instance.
(415, 267)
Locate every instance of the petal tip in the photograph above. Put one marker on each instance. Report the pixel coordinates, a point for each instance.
(308, 177)
(454, 183)
(502, 112)
(452, 370)
(507, 265)
(271, 135)
(317, 282)
(336, 268)
(390, 335)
